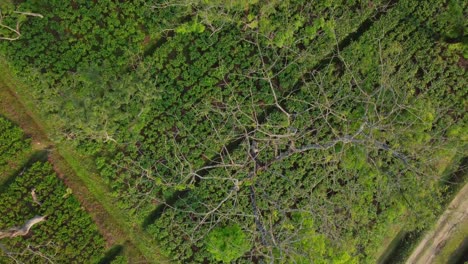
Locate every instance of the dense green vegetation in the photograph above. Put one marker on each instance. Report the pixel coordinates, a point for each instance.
(254, 130)
(68, 235)
(13, 143)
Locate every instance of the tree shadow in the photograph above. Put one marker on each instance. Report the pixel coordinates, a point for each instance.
(36, 156)
(111, 254)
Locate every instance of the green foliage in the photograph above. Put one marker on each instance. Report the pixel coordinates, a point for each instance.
(9, 20)
(355, 158)
(227, 243)
(12, 141)
(6, 6)
(453, 20)
(169, 103)
(193, 27)
(78, 33)
(67, 235)
(313, 245)
(119, 260)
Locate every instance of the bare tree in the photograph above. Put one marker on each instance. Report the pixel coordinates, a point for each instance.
(267, 138)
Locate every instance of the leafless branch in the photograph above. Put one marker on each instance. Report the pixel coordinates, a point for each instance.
(24, 230)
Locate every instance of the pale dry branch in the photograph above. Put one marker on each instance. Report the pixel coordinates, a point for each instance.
(24, 230)
(34, 197)
(16, 30)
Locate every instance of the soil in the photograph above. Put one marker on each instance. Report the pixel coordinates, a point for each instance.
(12, 109)
(434, 241)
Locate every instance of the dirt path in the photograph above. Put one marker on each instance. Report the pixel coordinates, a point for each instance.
(13, 110)
(79, 174)
(433, 242)
(111, 230)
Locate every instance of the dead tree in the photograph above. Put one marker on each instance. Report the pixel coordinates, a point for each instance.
(22, 231)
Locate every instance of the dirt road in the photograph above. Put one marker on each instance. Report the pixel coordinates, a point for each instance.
(433, 242)
(113, 232)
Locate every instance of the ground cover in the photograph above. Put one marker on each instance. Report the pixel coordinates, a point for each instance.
(212, 124)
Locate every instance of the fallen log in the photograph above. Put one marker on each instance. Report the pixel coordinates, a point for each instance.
(24, 230)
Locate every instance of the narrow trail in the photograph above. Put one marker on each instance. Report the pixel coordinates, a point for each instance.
(455, 214)
(12, 108)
